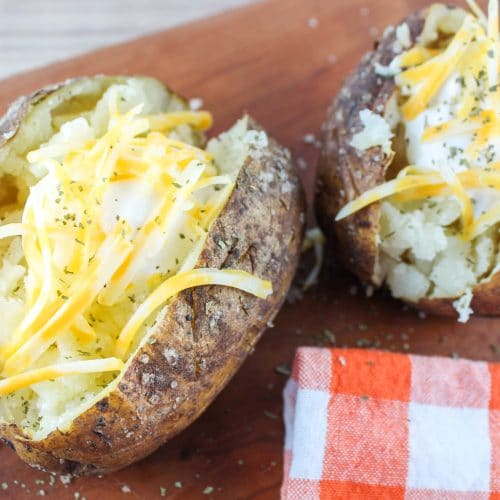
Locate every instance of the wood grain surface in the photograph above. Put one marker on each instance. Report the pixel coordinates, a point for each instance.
(282, 61)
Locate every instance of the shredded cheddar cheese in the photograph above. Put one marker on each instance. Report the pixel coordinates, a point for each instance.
(182, 281)
(115, 224)
(35, 376)
(468, 59)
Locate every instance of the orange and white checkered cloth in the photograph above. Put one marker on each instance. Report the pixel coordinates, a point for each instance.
(370, 425)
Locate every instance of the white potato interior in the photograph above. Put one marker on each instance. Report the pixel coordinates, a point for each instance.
(422, 253)
(46, 406)
(442, 242)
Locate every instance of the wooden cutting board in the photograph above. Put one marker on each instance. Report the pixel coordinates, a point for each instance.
(282, 61)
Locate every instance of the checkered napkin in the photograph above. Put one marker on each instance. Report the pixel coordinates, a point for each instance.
(370, 425)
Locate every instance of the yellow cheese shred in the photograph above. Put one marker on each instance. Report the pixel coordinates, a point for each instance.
(429, 183)
(432, 74)
(74, 264)
(473, 54)
(167, 121)
(474, 7)
(314, 238)
(492, 61)
(13, 229)
(182, 281)
(35, 376)
(484, 221)
(78, 300)
(387, 189)
(83, 331)
(460, 194)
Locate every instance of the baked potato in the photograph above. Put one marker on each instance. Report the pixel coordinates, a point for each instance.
(140, 266)
(408, 189)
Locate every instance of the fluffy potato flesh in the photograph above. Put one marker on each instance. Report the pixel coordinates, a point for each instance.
(440, 202)
(54, 131)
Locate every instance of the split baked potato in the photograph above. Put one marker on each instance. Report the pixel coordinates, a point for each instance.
(408, 189)
(139, 266)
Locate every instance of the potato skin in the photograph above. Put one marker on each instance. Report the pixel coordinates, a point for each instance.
(20, 109)
(10, 122)
(484, 302)
(345, 172)
(200, 340)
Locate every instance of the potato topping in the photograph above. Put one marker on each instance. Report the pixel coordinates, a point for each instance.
(110, 231)
(449, 100)
(376, 132)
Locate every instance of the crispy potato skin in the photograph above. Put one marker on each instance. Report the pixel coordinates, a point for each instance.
(20, 108)
(10, 122)
(485, 300)
(201, 339)
(345, 172)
